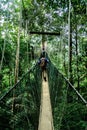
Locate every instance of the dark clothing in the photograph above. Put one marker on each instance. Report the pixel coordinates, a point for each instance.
(43, 63)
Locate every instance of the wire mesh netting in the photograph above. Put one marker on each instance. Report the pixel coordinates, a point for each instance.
(69, 110)
(19, 107)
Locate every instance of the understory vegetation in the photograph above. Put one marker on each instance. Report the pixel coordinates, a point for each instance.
(22, 27)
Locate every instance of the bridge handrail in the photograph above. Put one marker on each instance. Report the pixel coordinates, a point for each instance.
(70, 85)
(73, 87)
(14, 86)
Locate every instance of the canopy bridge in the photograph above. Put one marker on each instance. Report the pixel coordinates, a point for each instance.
(35, 104)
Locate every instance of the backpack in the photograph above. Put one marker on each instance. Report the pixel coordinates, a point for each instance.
(42, 63)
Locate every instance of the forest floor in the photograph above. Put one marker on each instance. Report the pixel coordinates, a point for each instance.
(45, 119)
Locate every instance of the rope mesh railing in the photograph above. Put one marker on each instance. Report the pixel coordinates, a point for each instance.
(69, 110)
(19, 107)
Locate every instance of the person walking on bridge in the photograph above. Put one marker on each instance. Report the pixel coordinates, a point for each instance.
(43, 64)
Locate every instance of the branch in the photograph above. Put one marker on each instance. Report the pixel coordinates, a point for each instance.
(45, 33)
(83, 76)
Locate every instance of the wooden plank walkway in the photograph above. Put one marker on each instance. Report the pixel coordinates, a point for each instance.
(45, 118)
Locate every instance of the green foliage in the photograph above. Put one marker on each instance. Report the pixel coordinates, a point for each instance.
(68, 111)
(79, 6)
(51, 16)
(27, 103)
(75, 117)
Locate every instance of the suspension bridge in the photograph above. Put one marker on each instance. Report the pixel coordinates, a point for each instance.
(35, 104)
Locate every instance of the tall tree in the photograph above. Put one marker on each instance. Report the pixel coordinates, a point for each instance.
(3, 52)
(18, 46)
(70, 44)
(77, 64)
(17, 60)
(5, 37)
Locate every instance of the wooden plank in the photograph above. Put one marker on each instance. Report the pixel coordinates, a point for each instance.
(45, 33)
(45, 118)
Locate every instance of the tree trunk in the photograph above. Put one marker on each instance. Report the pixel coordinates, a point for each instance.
(26, 32)
(70, 46)
(43, 49)
(78, 87)
(69, 96)
(6, 34)
(64, 62)
(3, 51)
(17, 64)
(17, 56)
(43, 41)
